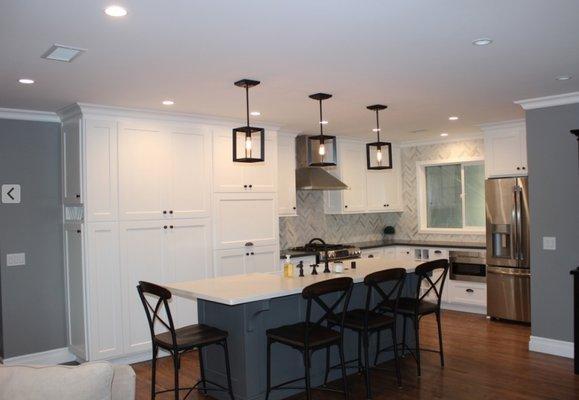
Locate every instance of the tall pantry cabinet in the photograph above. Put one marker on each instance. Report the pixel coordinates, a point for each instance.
(139, 205)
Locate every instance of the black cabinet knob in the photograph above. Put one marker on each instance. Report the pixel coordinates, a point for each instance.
(171, 227)
(345, 206)
(387, 205)
(78, 196)
(165, 227)
(164, 211)
(171, 212)
(245, 186)
(524, 167)
(294, 208)
(252, 253)
(250, 186)
(78, 231)
(246, 254)
(518, 168)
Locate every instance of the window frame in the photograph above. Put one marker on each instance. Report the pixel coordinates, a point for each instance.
(421, 198)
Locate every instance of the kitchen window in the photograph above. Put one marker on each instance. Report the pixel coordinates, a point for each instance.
(451, 196)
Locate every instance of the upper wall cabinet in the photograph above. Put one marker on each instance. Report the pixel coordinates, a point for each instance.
(286, 175)
(71, 161)
(369, 190)
(229, 176)
(505, 149)
(164, 171)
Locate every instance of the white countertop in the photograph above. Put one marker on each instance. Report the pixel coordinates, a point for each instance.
(239, 289)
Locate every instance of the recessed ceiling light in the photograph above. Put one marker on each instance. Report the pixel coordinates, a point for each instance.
(168, 102)
(563, 77)
(255, 113)
(324, 122)
(26, 81)
(452, 118)
(115, 11)
(444, 134)
(482, 42)
(58, 52)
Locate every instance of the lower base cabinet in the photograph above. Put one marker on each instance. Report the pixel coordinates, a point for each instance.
(246, 260)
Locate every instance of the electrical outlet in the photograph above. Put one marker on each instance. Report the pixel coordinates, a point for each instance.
(15, 260)
(549, 243)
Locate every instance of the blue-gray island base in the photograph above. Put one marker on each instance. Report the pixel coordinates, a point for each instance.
(247, 324)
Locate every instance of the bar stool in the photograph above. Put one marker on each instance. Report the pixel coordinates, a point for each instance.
(179, 341)
(431, 278)
(369, 320)
(310, 336)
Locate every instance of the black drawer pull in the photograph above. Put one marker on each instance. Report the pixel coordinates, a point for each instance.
(370, 255)
(248, 244)
(469, 291)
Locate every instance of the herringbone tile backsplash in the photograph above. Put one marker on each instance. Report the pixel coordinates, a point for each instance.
(312, 222)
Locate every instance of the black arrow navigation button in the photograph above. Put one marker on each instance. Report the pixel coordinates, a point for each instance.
(10, 193)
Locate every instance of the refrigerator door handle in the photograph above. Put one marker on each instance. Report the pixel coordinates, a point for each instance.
(519, 225)
(515, 212)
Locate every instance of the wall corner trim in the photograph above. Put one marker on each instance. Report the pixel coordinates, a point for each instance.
(50, 357)
(549, 101)
(28, 115)
(551, 346)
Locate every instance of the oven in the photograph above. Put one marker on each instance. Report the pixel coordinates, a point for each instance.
(468, 266)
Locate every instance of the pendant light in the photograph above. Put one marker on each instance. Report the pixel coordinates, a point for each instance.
(321, 148)
(248, 141)
(378, 153)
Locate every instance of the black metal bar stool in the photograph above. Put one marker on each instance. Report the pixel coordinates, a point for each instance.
(309, 336)
(179, 341)
(370, 320)
(426, 301)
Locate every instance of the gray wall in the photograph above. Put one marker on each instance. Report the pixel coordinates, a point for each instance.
(553, 200)
(33, 308)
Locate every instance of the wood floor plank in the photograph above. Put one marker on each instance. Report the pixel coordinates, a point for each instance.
(483, 360)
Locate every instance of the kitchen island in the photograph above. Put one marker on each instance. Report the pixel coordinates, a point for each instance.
(247, 305)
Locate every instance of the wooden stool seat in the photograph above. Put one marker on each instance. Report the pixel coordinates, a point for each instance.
(294, 335)
(408, 305)
(355, 320)
(191, 336)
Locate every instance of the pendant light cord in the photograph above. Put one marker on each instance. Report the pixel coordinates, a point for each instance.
(321, 120)
(377, 125)
(247, 103)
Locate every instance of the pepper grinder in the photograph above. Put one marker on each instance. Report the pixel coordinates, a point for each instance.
(301, 267)
(314, 266)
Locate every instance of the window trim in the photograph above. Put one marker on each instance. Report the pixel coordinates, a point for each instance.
(421, 198)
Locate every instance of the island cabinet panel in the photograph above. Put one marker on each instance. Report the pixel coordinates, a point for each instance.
(286, 176)
(245, 219)
(104, 291)
(101, 170)
(229, 176)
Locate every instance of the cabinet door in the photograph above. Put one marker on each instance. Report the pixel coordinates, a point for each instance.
(74, 261)
(383, 187)
(189, 259)
(263, 259)
(390, 253)
(190, 172)
(505, 152)
(104, 290)
(353, 174)
(144, 257)
(230, 262)
(245, 217)
(286, 175)
(143, 171)
(227, 175)
(101, 170)
(262, 176)
(71, 161)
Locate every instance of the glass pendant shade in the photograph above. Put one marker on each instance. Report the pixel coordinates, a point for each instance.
(378, 153)
(248, 141)
(322, 150)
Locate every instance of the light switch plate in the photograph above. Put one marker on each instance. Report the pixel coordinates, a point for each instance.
(549, 243)
(15, 260)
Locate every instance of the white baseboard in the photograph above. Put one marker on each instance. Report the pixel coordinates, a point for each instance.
(50, 357)
(551, 346)
(465, 308)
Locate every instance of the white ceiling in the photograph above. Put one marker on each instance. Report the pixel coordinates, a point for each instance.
(415, 55)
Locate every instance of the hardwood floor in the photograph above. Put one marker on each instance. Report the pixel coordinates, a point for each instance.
(484, 360)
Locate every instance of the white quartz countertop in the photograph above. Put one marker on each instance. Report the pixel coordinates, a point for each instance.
(239, 289)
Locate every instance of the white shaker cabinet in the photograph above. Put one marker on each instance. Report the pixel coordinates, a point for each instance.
(231, 261)
(505, 149)
(72, 161)
(246, 260)
(229, 176)
(75, 288)
(383, 187)
(242, 218)
(286, 175)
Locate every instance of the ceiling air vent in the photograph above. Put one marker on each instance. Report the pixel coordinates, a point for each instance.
(62, 53)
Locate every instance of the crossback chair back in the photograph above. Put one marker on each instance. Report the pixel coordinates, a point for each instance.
(313, 294)
(154, 308)
(434, 284)
(373, 282)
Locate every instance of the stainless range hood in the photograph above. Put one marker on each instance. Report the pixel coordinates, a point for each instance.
(313, 178)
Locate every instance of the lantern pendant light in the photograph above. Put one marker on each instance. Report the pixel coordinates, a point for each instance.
(378, 153)
(322, 151)
(248, 141)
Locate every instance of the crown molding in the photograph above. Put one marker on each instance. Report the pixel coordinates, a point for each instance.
(441, 140)
(96, 110)
(549, 101)
(514, 123)
(28, 115)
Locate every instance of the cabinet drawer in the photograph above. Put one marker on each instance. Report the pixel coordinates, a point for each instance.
(467, 293)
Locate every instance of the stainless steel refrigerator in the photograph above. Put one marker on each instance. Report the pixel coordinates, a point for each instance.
(508, 262)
